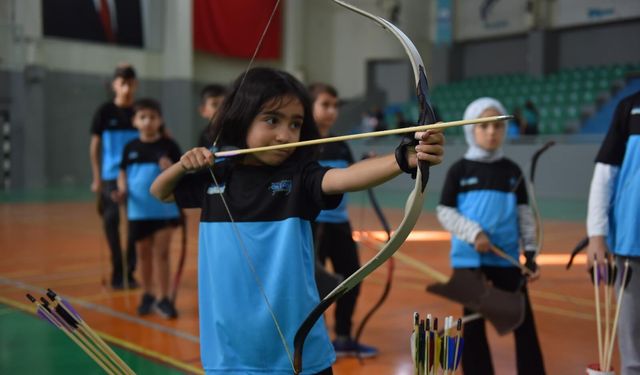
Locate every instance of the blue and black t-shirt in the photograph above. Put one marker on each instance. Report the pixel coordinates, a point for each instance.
(272, 208)
(335, 155)
(140, 161)
(488, 194)
(113, 125)
(621, 148)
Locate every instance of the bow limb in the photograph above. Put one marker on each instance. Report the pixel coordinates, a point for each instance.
(413, 206)
(532, 194)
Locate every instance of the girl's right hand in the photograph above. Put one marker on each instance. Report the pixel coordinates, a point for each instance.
(482, 243)
(196, 159)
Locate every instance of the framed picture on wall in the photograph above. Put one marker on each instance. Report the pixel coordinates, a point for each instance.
(103, 21)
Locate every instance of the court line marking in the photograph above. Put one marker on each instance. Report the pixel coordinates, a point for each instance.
(106, 310)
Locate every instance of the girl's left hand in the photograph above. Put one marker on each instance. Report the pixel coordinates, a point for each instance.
(196, 159)
(430, 148)
(535, 275)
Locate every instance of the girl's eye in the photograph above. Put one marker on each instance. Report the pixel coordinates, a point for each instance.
(296, 125)
(271, 120)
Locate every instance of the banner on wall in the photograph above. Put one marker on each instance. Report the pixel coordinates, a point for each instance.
(233, 28)
(476, 19)
(444, 22)
(581, 12)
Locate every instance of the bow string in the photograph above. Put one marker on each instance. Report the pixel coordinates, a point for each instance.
(236, 230)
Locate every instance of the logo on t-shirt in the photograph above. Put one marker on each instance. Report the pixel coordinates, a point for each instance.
(133, 155)
(468, 181)
(283, 186)
(113, 122)
(215, 189)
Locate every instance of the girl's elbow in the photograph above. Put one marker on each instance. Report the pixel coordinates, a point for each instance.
(157, 193)
(164, 198)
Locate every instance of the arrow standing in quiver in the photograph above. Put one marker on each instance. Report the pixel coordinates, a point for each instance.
(484, 204)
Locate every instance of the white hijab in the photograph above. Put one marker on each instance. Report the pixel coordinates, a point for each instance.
(473, 111)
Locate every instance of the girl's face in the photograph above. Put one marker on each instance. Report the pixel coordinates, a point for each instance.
(489, 135)
(148, 122)
(325, 112)
(279, 122)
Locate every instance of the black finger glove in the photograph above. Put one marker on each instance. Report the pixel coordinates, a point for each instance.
(530, 261)
(401, 155)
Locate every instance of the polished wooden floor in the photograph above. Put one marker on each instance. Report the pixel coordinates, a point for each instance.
(61, 246)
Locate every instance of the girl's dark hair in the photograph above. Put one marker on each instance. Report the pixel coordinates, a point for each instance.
(248, 96)
(147, 103)
(315, 89)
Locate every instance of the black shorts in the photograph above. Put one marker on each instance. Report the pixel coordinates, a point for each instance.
(141, 229)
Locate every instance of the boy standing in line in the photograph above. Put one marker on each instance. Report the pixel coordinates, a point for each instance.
(111, 130)
(332, 229)
(151, 222)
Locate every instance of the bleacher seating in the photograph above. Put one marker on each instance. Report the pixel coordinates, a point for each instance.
(564, 99)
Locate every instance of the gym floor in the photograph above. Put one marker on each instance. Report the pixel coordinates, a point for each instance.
(60, 245)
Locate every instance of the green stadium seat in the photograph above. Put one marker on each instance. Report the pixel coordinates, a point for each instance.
(576, 85)
(574, 97)
(509, 103)
(560, 98)
(603, 84)
(589, 84)
(589, 97)
(572, 112)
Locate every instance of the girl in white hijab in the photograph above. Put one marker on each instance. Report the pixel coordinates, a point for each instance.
(484, 204)
(482, 107)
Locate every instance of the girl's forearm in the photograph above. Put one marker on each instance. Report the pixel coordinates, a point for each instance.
(122, 181)
(361, 175)
(164, 185)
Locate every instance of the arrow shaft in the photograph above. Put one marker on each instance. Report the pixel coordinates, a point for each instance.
(412, 129)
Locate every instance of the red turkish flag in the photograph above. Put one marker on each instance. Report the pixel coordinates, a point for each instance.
(234, 27)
